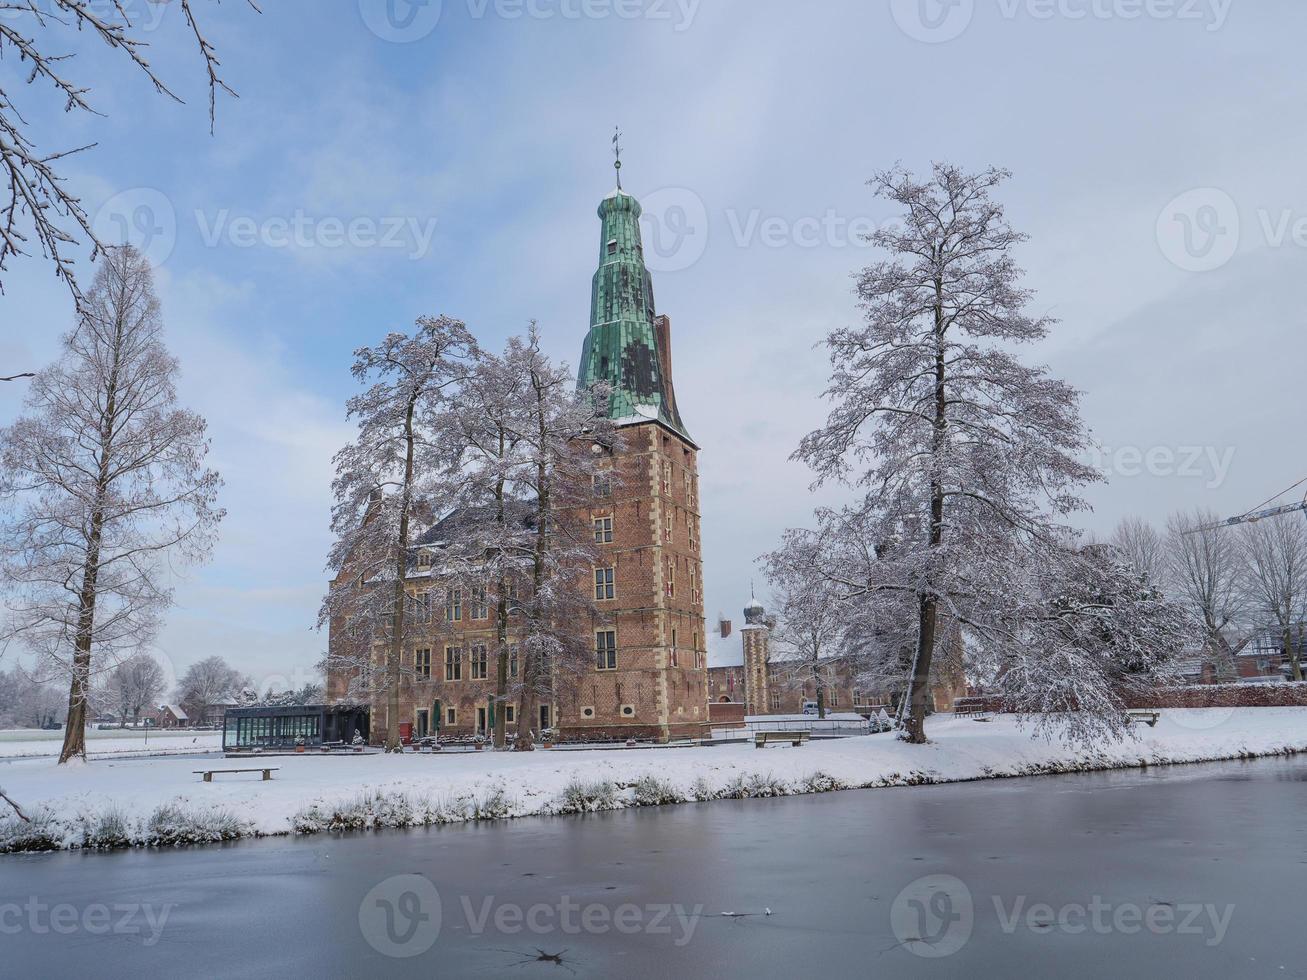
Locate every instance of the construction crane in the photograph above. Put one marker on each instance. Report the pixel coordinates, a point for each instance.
(1253, 516)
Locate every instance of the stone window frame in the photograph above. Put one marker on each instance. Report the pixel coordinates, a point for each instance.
(605, 650)
(422, 663)
(453, 663)
(479, 662)
(605, 579)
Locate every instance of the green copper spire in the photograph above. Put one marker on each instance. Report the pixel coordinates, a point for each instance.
(626, 347)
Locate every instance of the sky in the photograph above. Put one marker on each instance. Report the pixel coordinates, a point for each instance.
(388, 159)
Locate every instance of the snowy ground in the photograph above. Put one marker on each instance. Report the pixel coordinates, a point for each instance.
(312, 793)
(19, 743)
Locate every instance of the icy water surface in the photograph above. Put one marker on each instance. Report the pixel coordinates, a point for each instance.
(1195, 871)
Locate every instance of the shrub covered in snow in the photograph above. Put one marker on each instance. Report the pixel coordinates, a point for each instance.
(174, 824)
(652, 791)
(579, 797)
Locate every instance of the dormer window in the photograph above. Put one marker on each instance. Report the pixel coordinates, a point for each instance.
(612, 247)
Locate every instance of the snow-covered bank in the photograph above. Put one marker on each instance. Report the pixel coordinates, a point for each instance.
(25, 743)
(111, 803)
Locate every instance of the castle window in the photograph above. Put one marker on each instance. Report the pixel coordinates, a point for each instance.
(453, 605)
(453, 663)
(606, 650)
(671, 578)
(422, 664)
(603, 530)
(424, 559)
(604, 587)
(776, 700)
(510, 714)
(612, 247)
(512, 660)
(603, 484)
(451, 716)
(479, 608)
(480, 662)
(668, 524)
(419, 607)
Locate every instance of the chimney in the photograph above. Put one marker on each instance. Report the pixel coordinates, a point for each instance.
(663, 337)
(724, 627)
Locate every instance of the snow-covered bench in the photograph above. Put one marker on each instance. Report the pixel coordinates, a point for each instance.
(760, 739)
(208, 773)
(1149, 718)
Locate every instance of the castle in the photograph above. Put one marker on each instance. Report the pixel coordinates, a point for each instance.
(649, 679)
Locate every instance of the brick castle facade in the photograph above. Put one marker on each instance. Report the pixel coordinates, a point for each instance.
(649, 677)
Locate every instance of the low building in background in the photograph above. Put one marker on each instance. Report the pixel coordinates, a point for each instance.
(766, 684)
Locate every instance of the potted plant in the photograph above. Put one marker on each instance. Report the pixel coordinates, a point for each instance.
(299, 743)
(480, 742)
(547, 738)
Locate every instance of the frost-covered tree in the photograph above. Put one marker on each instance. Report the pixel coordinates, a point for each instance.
(1275, 578)
(1205, 570)
(1091, 634)
(103, 485)
(209, 682)
(566, 440)
(1143, 547)
(810, 617)
(136, 682)
(42, 36)
(390, 480)
(969, 461)
(486, 551)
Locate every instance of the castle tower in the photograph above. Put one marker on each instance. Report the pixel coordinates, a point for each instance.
(650, 676)
(756, 636)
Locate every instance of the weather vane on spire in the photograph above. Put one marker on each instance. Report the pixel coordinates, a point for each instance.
(617, 152)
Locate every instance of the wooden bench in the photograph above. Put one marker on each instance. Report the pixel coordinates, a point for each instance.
(760, 739)
(1149, 718)
(208, 773)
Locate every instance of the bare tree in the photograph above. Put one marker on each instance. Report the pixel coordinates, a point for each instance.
(488, 549)
(387, 481)
(965, 456)
(1093, 635)
(1143, 547)
(566, 441)
(136, 682)
(15, 377)
(810, 622)
(38, 34)
(1275, 575)
(210, 682)
(1205, 569)
(106, 483)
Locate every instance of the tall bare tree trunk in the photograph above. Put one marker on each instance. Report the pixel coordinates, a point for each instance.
(929, 605)
(501, 624)
(395, 655)
(79, 686)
